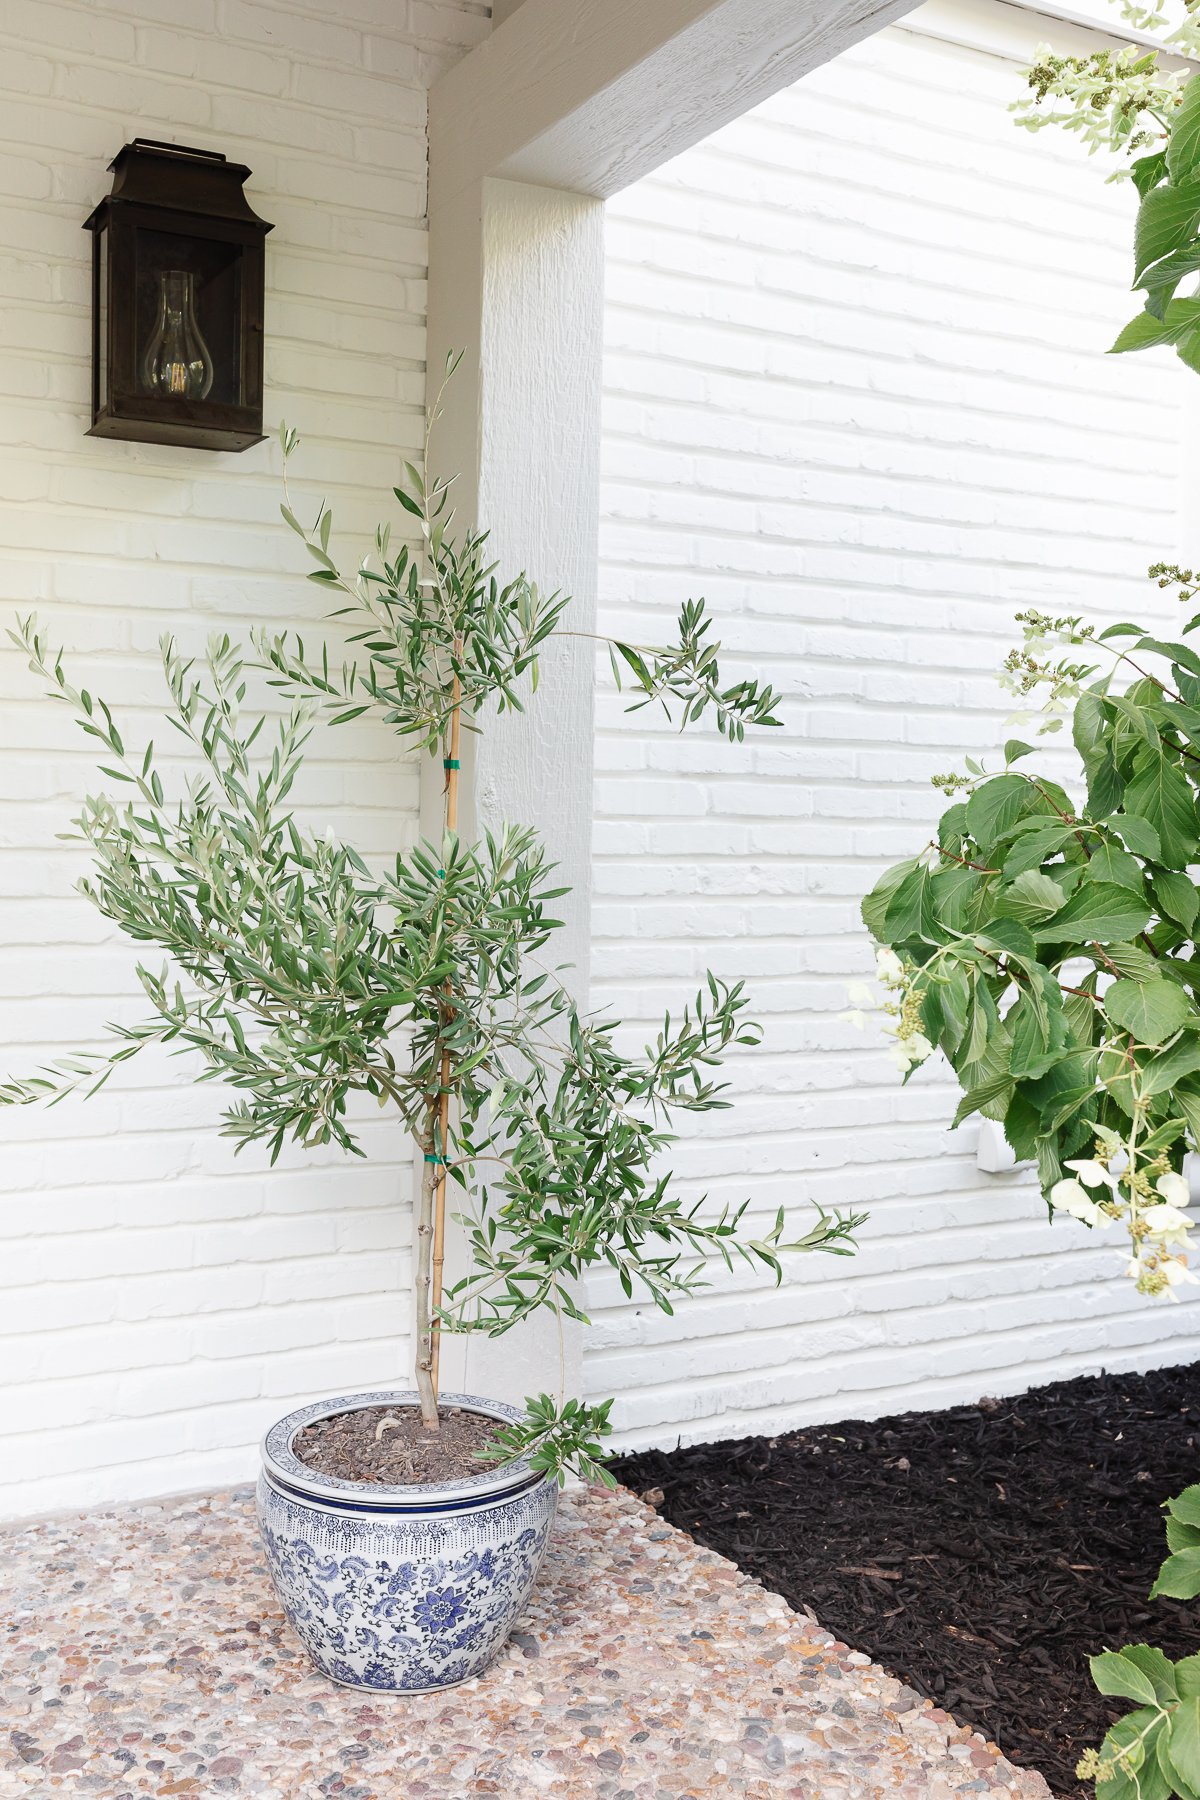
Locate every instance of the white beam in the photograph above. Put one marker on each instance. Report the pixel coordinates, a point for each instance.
(517, 282)
(567, 102)
(1014, 28)
(593, 94)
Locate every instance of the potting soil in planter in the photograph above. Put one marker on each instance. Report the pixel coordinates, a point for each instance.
(390, 1444)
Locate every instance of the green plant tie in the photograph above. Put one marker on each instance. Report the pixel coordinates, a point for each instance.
(435, 1159)
(451, 762)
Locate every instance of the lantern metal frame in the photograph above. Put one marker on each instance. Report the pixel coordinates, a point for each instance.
(190, 194)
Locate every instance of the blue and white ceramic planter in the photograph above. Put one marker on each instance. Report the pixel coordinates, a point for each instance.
(401, 1589)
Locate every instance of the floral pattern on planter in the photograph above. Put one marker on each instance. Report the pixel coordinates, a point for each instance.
(405, 1601)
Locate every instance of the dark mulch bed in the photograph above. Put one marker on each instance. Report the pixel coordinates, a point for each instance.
(980, 1554)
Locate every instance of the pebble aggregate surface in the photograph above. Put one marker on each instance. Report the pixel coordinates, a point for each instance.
(146, 1654)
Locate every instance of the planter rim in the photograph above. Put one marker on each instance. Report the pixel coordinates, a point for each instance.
(284, 1466)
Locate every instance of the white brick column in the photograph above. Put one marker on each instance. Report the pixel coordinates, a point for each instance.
(517, 284)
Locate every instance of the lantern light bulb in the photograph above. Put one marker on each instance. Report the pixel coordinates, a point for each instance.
(176, 362)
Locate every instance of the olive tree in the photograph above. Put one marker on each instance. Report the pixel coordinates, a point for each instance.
(301, 977)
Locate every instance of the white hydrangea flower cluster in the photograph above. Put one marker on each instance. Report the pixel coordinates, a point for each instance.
(1110, 1187)
(1031, 666)
(909, 1046)
(1163, 16)
(1118, 101)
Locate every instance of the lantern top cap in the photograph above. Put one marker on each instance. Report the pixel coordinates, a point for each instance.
(180, 178)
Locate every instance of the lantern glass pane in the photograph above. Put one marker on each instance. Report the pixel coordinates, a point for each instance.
(188, 317)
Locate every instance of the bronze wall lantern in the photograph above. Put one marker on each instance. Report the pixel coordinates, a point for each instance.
(177, 301)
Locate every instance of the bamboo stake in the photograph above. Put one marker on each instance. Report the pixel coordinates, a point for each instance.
(439, 1204)
(424, 1370)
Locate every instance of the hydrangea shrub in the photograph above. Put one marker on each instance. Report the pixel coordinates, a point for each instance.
(1043, 940)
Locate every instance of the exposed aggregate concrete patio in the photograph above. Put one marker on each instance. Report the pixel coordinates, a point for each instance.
(146, 1654)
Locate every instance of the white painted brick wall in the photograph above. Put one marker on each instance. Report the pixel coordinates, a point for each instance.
(856, 396)
(160, 1302)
